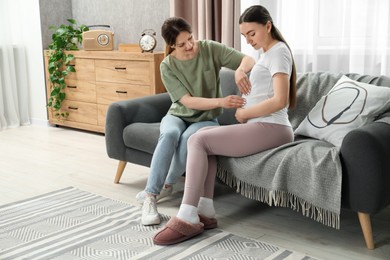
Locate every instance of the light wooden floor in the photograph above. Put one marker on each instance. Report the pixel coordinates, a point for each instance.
(39, 159)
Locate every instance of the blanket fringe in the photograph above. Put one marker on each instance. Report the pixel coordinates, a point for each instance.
(280, 198)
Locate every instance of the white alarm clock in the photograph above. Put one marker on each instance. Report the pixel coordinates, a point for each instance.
(148, 40)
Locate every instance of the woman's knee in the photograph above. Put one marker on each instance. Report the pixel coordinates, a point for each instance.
(172, 135)
(196, 139)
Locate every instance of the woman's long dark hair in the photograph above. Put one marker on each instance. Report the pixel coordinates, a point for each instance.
(258, 14)
(171, 28)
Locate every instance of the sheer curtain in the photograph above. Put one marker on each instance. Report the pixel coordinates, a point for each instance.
(335, 35)
(211, 19)
(14, 104)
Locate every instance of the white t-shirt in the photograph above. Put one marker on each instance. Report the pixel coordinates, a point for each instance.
(278, 59)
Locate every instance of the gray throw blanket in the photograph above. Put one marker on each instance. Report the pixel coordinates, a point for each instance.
(304, 175)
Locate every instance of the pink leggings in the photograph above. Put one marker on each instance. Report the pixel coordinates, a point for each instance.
(231, 140)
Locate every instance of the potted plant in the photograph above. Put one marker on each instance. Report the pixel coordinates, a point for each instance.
(65, 37)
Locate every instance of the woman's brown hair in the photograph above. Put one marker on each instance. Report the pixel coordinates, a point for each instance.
(258, 14)
(170, 29)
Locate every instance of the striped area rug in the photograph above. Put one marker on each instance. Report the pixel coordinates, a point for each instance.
(75, 224)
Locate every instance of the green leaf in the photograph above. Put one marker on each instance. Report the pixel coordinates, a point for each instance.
(72, 21)
(69, 58)
(70, 69)
(84, 28)
(55, 92)
(60, 31)
(61, 96)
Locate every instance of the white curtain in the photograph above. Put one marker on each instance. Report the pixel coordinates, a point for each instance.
(14, 104)
(335, 35)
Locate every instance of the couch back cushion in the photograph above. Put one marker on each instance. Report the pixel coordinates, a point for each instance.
(229, 87)
(350, 104)
(311, 86)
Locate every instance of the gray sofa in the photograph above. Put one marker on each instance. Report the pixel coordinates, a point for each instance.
(308, 175)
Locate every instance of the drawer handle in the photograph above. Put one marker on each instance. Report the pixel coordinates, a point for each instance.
(121, 92)
(120, 68)
(73, 108)
(71, 86)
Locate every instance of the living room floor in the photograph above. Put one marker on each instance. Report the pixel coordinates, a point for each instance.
(38, 159)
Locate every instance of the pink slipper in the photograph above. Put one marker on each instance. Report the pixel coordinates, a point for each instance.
(209, 223)
(177, 230)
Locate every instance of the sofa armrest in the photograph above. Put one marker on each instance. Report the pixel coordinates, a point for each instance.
(365, 154)
(149, 109)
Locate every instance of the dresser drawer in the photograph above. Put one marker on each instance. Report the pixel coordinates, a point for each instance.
(110, 92)
(82, 112)
(80, 90)
(85, 69)
(122, 71)
(102, 112)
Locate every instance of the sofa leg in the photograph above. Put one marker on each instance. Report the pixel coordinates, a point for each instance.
(119, 171)
(365, 223)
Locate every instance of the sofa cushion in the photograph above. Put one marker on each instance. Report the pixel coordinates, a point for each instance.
(347, 106)
(228, 87)
(311, 87)
(142, 136)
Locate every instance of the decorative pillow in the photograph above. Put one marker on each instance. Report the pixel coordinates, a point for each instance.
(348, 105)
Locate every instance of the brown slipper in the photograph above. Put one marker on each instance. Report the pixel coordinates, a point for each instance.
(209, 223)
(177, 230)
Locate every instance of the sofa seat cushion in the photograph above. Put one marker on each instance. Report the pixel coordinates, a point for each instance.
(142, 136)
(304, 175)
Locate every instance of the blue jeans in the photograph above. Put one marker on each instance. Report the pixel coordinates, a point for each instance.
(169, 157)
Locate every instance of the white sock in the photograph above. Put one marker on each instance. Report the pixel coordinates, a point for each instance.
(188, 213)
(206, 207)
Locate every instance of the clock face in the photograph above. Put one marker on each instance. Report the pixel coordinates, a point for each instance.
(147, 42)
(103, 39)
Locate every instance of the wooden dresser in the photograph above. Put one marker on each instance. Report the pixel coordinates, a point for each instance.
(101, 78)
